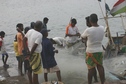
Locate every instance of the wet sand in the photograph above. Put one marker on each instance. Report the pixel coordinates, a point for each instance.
(10, 75)
(5, 78)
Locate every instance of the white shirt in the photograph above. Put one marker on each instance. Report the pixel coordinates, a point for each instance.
(94, 38)
(33, 37)
(72, 31)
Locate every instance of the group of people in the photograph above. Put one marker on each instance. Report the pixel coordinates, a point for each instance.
(33, 47)
(92, 37)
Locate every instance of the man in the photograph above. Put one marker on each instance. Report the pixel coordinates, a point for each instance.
(45, 21)
(32, 25)
(89, 25)
(33, 40)
(87, 21)
(20, 36)
(94, 56)
(72, 32)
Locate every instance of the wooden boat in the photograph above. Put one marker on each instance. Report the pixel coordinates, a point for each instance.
(115, 44)
(116, 50)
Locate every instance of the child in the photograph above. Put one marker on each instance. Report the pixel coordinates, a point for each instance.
(27, 66)
(3, 50)
(19, 38)
(48, 59)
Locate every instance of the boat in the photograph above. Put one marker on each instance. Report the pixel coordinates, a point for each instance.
(115, 43)
(115, 46)
(116, 51)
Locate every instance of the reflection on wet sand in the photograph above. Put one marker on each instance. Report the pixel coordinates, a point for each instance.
(76, 74)
(5, 78)
(10, 75)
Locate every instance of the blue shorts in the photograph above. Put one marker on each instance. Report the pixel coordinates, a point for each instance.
(5, 54)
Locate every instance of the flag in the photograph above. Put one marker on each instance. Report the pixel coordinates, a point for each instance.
(119, 7)
(99, 0)
(107, 8)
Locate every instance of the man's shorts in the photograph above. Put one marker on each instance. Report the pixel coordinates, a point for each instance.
(35, 63)
(52, 69)
(93, 59)
(20, 58)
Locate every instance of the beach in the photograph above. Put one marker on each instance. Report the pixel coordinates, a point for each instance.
(11, 75)
(71, 63)
(6, 79)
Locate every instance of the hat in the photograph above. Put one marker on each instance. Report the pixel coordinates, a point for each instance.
(44, 31)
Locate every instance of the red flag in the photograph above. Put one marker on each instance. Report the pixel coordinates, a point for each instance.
(119, 7)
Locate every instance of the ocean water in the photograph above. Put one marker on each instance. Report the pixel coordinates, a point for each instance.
(59, 12)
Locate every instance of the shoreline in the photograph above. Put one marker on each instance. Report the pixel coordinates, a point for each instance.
(11, 76)
(5, 78)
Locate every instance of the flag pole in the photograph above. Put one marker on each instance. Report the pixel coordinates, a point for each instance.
(108, 30)
(109, 34)
(101, 10)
